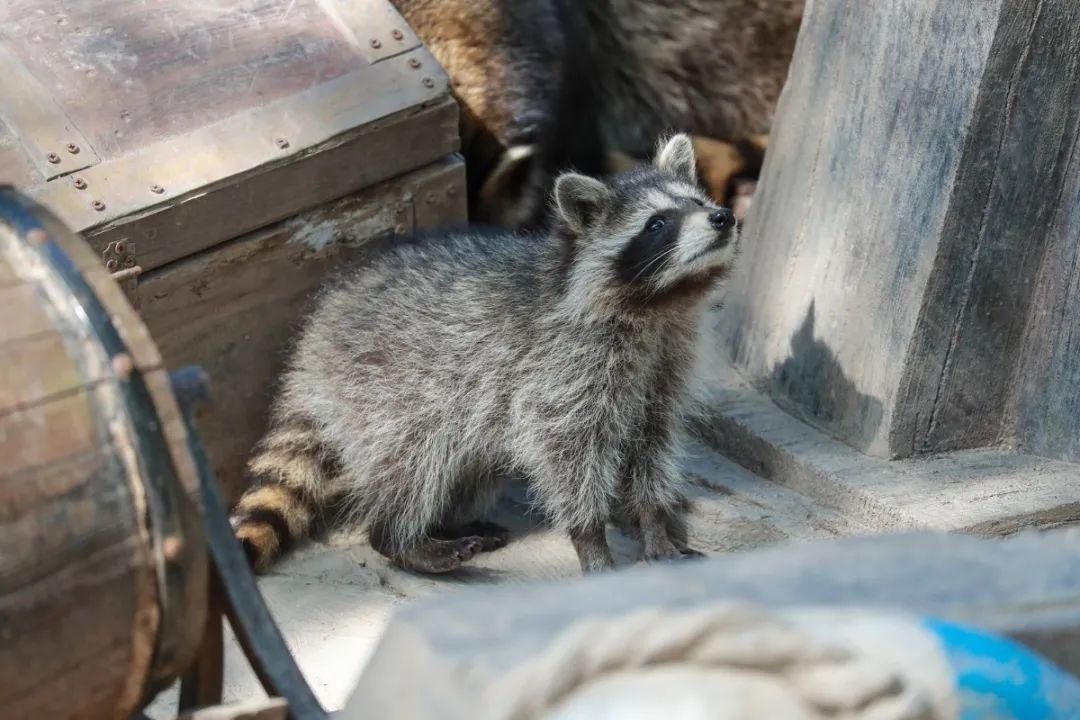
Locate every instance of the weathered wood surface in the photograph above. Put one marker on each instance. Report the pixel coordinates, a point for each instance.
(233, 309)
(175, 128)
(84, 603)
(129, 75)
(988, 491)
(917, 165)
(15, 166)
(213, 196)
(1045, 414)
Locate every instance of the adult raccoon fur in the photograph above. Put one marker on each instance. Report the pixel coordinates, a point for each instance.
(546, 85)
(515, 67)
(439, 366)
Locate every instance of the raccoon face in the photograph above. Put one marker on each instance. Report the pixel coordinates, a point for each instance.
(651, 232)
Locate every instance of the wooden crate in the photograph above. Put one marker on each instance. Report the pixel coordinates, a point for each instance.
(222, 157)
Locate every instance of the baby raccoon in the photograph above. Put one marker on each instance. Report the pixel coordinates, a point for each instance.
(441, 365)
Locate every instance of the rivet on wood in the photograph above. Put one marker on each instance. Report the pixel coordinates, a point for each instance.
(37, 237)
(123, 365)
(282, 143)
(429, 198)
(414, 63)
(397, 34)
(73, 148)
(399, 229)
(451, 191)
(79, 183)
(429, 83)
(98, 205)
(111, 265)
(157, 189)
(407, 197)
(53, 158)
(172, 548)
(376, 43)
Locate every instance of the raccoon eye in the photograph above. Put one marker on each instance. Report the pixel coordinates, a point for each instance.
(697, 202)
(654, 224)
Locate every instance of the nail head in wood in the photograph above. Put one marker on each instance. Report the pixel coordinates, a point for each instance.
(122, 364)
(172, 548)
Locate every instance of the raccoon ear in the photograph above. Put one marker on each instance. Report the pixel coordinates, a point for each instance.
(676, 156)
(580, 199)
(505, 197)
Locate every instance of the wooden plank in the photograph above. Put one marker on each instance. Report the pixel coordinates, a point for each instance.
(37, 369)
(52, 142)
(24, 314)
(1045, 410)
(77, 593)
(132, 74)
(231, 177)
(233, 309)
(43, 483)
(15, 166)
(8, 276)
(75, 630)
(23, 444)
(967, 344)
(373, 28)
(889, 263)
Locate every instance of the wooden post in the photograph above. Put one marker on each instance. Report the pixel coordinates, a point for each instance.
(909, 278)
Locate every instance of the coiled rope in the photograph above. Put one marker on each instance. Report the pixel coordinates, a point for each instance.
(830, 680)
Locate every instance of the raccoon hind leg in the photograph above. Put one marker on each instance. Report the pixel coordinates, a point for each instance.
(492, 535)
(430, 555)
(476, 492)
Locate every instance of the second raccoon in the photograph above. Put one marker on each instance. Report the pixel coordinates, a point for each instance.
(547, 85)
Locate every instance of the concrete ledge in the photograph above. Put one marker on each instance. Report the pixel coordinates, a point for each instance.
(989, 492)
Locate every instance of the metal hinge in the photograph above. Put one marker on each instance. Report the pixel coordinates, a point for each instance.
(119, 259)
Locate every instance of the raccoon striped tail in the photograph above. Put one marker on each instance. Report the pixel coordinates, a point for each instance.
(291, 471)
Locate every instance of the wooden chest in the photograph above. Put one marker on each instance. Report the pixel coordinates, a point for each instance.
(221, 158)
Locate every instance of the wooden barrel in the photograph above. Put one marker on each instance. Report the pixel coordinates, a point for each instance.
(103, 566)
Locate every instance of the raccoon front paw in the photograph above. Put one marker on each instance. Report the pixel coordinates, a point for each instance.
(668, 551)
(661, 550)
(691, 554)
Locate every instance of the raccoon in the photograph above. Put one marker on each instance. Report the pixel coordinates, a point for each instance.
(514, 68)
(547, 85)
(439, 366)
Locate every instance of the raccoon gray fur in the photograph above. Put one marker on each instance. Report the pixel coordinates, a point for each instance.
(437, 367)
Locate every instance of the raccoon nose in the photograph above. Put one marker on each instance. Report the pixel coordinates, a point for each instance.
(722, 219)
